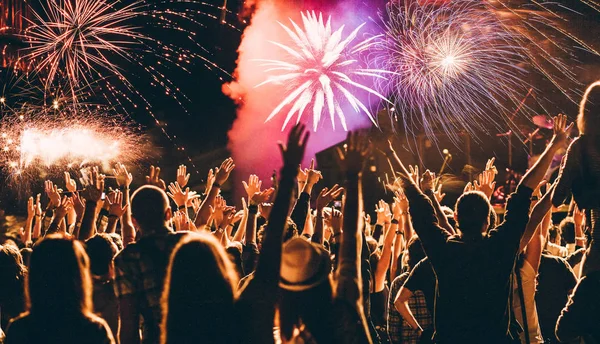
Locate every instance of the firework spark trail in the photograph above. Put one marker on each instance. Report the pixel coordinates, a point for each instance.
(94, 43)
(322, 70)
(34, 139)
(453, 68)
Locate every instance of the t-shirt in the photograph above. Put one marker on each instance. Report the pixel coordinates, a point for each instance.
(473, 275)
(555, 281)
(140, 272)
(58, 330)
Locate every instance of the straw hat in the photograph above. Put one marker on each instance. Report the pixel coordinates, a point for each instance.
(303, 265)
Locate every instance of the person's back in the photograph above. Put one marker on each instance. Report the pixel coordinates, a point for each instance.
(140, 271)
(59, 307)
(473, 270)
(473, 289)
(556, 280)
(579, 319)
(141, 267)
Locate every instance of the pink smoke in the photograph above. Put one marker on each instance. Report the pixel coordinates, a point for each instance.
(252, 142)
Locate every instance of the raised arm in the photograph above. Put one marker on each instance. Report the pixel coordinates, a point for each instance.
(541, 208)
(92, 195)
(423, 218)
(269, 261)
(568, 168)
(221, 176)
(124, 179)
(534, 176)
(325, 197)
(349, 286)
(310, 176)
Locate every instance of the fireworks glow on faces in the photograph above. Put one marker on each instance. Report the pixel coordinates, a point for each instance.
(453, 68)
(322, 71)
(34, 140)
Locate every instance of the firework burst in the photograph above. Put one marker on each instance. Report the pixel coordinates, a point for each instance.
(322, 71)
(36, 140)
(452, 67)
(101, 45)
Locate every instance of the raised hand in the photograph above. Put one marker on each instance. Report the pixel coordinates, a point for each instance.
(210, 179)
(182, 176)
(384, 214)
(336, 221)
(262, 197)
(326, 196)
(195, 203)
(293, 152)
(561, 130)
(65, 206)
(70, 183)
(53, 194)
(469, 187)
(218, 210)
(414, 173)
(93, 192)
(78, 205)
(115, 207)
(123, 177)
(437, 190)
(486, 183)
(30, 208)
(222, 173)
(253, 186)
(178, 195)
(490, 167)
(154, 178)
(402, 202)
(427, 181)
(312, 175)
(353, 160)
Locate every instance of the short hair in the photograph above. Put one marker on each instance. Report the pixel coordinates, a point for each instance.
(117, 240)
(588, 119)
(472, 212)
(554, 233)
(101, 250)
(567, 229)
(148, 206)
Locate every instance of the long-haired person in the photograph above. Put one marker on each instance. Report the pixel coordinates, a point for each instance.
(199, 295)
(58, 298)
(12, 284)
(580, 171)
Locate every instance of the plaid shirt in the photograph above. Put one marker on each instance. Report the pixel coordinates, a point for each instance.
(398, 329)
(140, 271)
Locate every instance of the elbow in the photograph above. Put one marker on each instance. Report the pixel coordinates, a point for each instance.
(566, 330)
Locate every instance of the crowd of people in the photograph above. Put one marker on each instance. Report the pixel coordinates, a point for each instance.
(164, 264)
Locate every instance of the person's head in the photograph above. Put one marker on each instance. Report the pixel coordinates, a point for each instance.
(415, 252)
(371, 244)
(472, 214)
(101, 251)
(567, 229)
(12, 272)
(306, 291)
(150, 208)
(59, 280)
(200, 281)
(588, 120)
(117, 240)
(554, 235)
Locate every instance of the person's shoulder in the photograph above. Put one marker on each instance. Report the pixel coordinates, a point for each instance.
(130, 252)
(552, 260)
(98, 328)
(18, 328)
